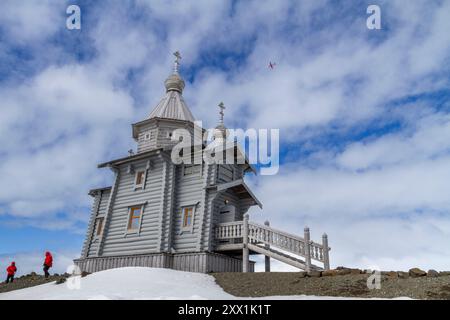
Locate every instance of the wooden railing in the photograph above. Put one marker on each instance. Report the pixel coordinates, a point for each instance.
(229, 230)
(258, 234)
(262, 234)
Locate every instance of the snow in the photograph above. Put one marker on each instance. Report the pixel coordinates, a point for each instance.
(135, 283)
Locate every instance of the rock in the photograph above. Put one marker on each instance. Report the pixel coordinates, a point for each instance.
(444, 273)
(330, 273)
(61, 280)
(301, 274)
(432, 273)
(33, 274)
(84, 274)
(355, 271)
(416, 272)
(403, 275)
(344, 271)
(314, 274)
(390, 274)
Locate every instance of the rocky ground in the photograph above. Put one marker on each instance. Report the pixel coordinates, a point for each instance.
(342, 282)
(31, 280)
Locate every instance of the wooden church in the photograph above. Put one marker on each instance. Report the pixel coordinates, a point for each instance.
(190, 217)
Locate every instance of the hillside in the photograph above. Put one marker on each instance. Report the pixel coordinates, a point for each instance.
(153, 283)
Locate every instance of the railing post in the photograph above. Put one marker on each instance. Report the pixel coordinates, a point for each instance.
(307, 249)
(267, 246)
(326, 257)
(245, 261)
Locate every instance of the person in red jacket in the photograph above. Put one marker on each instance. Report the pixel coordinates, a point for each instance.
(48, 263)
(11, 270)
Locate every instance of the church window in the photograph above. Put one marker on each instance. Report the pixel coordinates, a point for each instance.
(139, 180)
(191, 169)
(188, 218)
(149, 135)
(135, 218)
(99, 226)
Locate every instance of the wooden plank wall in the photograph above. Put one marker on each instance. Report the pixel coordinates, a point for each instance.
(193, 262)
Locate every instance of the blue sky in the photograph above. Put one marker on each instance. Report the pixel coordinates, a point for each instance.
(363, 114)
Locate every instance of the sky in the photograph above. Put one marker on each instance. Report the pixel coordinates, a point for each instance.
(364, 115)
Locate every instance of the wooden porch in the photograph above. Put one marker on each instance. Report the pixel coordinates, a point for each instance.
(245, 237)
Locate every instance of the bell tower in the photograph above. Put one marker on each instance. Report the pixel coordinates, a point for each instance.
(169, 114)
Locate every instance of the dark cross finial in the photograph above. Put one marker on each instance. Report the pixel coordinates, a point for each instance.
(177, 61)
(131, 152)
(221, 113)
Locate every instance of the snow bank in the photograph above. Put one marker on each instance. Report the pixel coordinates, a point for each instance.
(129, 283)
(133, 284)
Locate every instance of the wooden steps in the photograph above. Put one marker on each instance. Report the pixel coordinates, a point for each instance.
(281, 256)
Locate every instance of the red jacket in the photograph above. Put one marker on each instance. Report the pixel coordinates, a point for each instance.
(11, 269)
(48, 259)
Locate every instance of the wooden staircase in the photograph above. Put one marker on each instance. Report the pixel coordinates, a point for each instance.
(279, 245)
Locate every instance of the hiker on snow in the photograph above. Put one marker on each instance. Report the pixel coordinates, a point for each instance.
(48, 263)
(11, 270)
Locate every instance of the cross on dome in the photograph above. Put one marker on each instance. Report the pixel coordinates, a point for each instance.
(221, 113)
(177, 61)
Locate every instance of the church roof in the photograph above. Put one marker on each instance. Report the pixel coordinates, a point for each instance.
(172, 105)
(138, 156)
(240, 189)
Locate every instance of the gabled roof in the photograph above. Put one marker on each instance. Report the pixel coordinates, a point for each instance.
(241, 157)
(240, 189)
(92, 192)
(123, 160)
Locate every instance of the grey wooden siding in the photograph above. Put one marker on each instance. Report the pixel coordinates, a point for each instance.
(99, 210)
(166, 128)
(228, 172)
(103, 203)
(156, 135)
(225, 173)
(194, 262)
(188, 191)
(167, 205)
(91, 225)
(147, 143)
(218, 204)
(205, 211)
(117, 240)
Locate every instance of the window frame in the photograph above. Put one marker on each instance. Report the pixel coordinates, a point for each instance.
(137, 230)
(189, 227)
(98, 234)
(149, 135)
(193, 174)
(140, 186)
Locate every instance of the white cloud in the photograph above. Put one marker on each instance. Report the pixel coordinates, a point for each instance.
(56, 128)
(383, 203)
(31, 20)
(428, 140)
(332, 75)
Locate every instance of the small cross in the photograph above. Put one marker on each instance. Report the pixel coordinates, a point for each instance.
(177, 61)
(177, 56)
(222, 107)
(131, 152)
